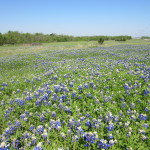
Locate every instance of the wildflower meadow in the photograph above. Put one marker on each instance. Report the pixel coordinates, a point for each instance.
(76, 99)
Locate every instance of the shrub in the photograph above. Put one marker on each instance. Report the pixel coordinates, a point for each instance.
(101, 40)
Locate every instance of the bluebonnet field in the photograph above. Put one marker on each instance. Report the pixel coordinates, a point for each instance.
(93, 98)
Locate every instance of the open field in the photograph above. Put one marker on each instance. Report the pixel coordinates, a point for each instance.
(75, 96)
(21, 49)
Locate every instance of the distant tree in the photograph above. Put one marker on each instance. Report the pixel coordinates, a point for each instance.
(1, 39)
(145, 37)
(101, 40)
(121, 38)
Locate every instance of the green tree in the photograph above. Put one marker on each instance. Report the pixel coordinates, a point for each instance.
(1, 39)
(101, 40)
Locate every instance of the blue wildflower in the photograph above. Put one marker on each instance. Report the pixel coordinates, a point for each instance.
(143, 117)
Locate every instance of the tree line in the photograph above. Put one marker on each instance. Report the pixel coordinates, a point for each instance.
(145, 37)
(15, 37)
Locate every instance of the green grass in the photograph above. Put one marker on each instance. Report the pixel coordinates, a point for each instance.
(21, 49)
(108, 80)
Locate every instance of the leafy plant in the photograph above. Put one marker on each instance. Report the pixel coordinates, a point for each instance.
(101, 40)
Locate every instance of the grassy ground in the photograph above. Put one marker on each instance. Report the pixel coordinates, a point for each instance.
(21, 49)
(75, 96)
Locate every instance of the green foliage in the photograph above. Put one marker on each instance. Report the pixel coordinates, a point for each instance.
(15, 37)
(1, 39)
(101, 40)
(121, 38)
(145, 37)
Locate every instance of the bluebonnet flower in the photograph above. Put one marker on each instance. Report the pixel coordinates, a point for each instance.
(87, 145)
(3, 146)
(71, 84)
(146, 125)
(80, 87)
(16, 143)
(88, 123)
(126, 124)
(40, 90)
(128, 134)
(88, 115)
(67, 109)
(40, 129)
(143, 117)
(57, 88)
(110, 136)
(38, 147)
(110, 127)
(109, 117)
(4, 84)
(26, 135)
(2, 88)
(64, 97)
(91, 84)
(54, 114)
(79, 130)
(126, 86)
(75, 138)
(17, 123)
(103, 144)
(25, 119)
(47, 103)
(28, 98)
(146, 109)
(32, 127)
(45, 134)
(62, 134)
(133, 117)
(129, 148)
(66, 76)
(71, 122)
(38, 103)
(146, 92)
(124, 104)
(20, 102)
(112, 142)
(144, 137)
(48, 92)
(141, 131)
(18, 90)
(44, 97)
(42, 118)
(79, 97)
(10, 130)
(132, 105)
(22, 116)
(73, 94)
(86, 86)
(55, 77)
(90, 137)
(89, 95)
(37, 94)
(33, 140)
(54, 97)
(97, 101)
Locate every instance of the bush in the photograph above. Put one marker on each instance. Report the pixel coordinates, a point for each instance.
(101, 40)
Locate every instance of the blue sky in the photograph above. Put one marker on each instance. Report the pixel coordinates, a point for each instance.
(76, 17)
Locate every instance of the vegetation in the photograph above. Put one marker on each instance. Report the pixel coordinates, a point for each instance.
(76, 98)
(145, 37)
(1, 39)
(14, 37)
(101, 40)
(121, 38)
